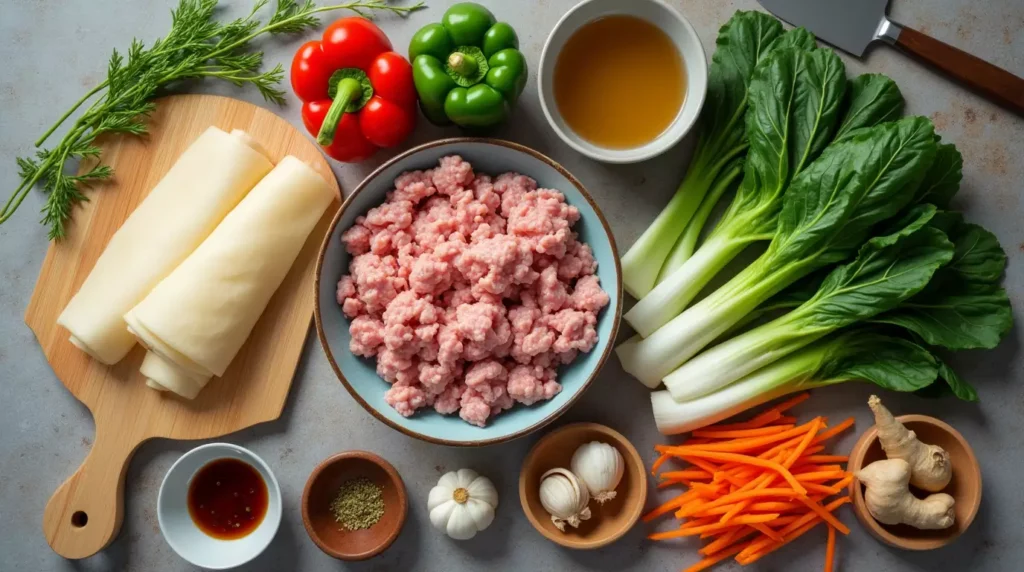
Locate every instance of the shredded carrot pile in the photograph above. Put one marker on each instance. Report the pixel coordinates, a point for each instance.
(755, 486)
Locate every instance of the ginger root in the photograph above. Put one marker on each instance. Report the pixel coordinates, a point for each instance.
(889, 500)
(930, 469)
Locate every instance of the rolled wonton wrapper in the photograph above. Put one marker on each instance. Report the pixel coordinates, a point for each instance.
(202, 186)
(196, 319)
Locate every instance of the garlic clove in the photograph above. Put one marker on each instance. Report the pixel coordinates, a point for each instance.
(483, 489)
(481, 512)
(448, 481)
(441, 515)
(600, 467)
(465, 477)
(461, 525)
(564, 497)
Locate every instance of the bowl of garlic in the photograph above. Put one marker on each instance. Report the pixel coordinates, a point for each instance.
(583, 486)
(917, 483)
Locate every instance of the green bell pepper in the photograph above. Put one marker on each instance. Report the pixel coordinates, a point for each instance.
(467, 69)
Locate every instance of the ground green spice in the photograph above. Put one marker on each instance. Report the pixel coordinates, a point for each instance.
(359, 504)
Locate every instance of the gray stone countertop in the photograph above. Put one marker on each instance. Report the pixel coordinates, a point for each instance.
(54, 50)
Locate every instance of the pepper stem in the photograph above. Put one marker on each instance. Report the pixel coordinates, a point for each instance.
(349, 90)
(462, 64)
(460, 495)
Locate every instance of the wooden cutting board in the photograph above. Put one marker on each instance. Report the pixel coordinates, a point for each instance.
(84, 514)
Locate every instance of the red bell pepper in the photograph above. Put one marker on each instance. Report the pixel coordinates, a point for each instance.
(357, 93)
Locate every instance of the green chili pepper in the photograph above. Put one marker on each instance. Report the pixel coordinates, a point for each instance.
(467, 69)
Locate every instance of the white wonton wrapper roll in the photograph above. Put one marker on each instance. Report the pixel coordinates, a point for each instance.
(203, 185)
(197, 318)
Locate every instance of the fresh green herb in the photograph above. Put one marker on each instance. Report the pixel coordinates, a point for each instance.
(890, 362)
(197, 46)
(359, 504)
(828, 211)
(888, 270)
(742, 42)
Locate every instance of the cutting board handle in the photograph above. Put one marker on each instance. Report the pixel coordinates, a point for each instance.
(84, 515)
(991, 81)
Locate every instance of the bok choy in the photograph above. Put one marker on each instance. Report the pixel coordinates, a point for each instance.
(827, 212)
(784, 138)
(887, 270)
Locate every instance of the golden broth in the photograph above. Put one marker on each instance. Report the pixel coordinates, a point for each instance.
(619, 82)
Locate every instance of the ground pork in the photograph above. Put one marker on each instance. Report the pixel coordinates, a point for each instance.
(469, 291)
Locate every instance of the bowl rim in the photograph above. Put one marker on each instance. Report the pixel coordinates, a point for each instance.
(657, 146)
(856, 462)
(633, 458)
(392, 474)
(273, 495)
(318, 319)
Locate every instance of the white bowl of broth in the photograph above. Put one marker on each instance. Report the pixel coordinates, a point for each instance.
(621, 82)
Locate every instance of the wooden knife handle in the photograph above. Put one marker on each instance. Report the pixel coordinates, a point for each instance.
(993, 82)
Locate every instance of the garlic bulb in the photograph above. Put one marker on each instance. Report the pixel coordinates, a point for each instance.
(600, 466)
(564, 497)
(462, 504)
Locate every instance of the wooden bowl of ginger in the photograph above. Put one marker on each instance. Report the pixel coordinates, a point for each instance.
(965, 486)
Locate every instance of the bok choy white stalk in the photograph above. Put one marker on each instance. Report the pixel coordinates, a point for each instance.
(890, 362)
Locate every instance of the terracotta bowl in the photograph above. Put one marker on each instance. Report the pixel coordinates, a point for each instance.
(610, 520)
(321, 489)
(965, 488)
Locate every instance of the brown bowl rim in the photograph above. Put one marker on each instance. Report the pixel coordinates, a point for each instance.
(633, 460)
(403, 506)
(856, 462)
(616, 317)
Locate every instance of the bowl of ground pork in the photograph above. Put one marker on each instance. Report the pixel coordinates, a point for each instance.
(468, 291)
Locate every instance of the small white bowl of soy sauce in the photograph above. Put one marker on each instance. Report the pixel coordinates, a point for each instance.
(219, 506)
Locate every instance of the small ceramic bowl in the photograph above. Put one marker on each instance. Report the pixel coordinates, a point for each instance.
(965, 488)
(359, 375)
(674, 25)
(321, 489)
(610, 520)
(186, 538)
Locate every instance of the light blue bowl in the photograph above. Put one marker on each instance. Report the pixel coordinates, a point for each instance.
(359, 375)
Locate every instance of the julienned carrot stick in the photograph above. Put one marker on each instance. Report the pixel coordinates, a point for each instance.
(760, 420)
(819, 459)
(720, 456)
(734, 536)
(804, 443)
(802, 468)
(830, 549)
(824, 514)
(786, 419)
(741, 433)
(659, 462)
(698, 522)
(693, 474)
(819, 476)
(710, 561)
(846, 424)
(765, 530)
(669, 506)
(697, 530)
